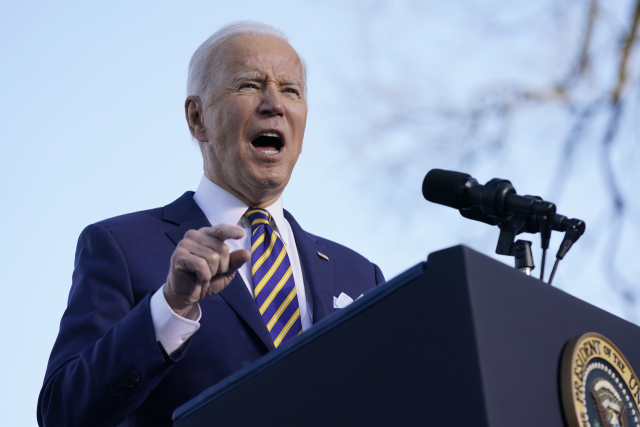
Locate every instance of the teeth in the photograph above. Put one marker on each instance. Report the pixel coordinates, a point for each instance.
(271, 134)
(270, 152)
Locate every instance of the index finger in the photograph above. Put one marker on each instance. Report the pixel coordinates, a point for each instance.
(224, 231)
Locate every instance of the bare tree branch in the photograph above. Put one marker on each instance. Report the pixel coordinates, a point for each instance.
(585, 58)
(625, 52)
(592, 102)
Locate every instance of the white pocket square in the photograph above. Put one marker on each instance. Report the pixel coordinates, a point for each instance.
(343, 300)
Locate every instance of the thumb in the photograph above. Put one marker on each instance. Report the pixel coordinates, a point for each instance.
(238, 258)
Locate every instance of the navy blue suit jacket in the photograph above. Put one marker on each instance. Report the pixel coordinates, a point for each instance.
(106, 365)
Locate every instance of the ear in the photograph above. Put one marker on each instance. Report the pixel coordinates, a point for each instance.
(193, 114)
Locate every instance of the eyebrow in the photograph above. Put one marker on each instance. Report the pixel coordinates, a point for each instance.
(292, 82)
(248, 76)
(258, 77)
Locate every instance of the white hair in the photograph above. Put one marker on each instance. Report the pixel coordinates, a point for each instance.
(200, 74)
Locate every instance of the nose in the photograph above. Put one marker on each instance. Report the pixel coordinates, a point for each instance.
(271, 102)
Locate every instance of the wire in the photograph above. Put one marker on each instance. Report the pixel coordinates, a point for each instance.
(544, 259)
(553, 272)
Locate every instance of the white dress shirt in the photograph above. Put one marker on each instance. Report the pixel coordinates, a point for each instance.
(221, 207)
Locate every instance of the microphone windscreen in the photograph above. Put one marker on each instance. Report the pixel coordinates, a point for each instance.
(441, 186)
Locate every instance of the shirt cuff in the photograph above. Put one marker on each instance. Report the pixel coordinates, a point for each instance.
(172, 330)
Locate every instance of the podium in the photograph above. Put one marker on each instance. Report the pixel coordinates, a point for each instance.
(459, 340)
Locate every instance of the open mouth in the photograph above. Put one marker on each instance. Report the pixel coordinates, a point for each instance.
(268, 143)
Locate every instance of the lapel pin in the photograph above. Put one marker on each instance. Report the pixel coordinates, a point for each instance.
(323, 256)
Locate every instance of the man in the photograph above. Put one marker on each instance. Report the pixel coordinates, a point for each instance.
(167, 302)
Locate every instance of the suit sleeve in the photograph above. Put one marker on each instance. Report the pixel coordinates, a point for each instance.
(106, 359)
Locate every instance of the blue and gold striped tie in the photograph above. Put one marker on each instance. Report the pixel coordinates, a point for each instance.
(273, 286)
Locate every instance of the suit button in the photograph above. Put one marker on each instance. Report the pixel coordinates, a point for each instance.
(136, 376)
(118, 396)
(129, 382)
(123, 389)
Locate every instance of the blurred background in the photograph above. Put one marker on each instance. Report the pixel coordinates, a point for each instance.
(545, 94)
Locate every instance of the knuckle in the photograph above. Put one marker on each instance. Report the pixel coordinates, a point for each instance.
(191, 234)
(180, 252)
(224, 249)
(202, 264)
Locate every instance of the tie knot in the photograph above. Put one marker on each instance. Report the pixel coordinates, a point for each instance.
(257, 216)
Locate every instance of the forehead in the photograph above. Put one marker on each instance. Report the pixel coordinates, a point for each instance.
(263, 55)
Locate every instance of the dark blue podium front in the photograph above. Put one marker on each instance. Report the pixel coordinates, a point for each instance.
(461, 340)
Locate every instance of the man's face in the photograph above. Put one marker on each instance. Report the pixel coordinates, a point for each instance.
(255, 117)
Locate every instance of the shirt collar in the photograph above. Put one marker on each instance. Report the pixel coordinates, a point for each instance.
(222, 207)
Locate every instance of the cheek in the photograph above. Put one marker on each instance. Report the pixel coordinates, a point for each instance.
(234, 111)
(226, 131)
(299, 118)
(237, 119)
(299, 124)
(226, 123)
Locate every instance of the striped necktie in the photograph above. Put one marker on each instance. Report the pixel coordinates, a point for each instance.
(273, 285)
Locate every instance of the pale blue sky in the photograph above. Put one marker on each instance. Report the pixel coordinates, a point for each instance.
(92, 126)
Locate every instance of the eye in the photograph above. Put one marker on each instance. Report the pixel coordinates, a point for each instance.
(292, 92)
(248, 86)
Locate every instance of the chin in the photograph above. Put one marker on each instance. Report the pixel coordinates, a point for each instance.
(270, 183)
(270, 178)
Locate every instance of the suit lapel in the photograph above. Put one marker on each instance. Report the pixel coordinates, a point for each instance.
(187, 215)
(318, 272)
(238, 297)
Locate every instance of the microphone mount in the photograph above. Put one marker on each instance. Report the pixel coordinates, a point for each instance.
(496, 203)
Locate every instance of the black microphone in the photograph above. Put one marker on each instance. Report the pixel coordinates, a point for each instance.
(446, 187)
(496, 203)
(496, 199)
(573, 229)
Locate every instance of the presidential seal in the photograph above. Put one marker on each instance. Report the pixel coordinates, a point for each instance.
(599, 388)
